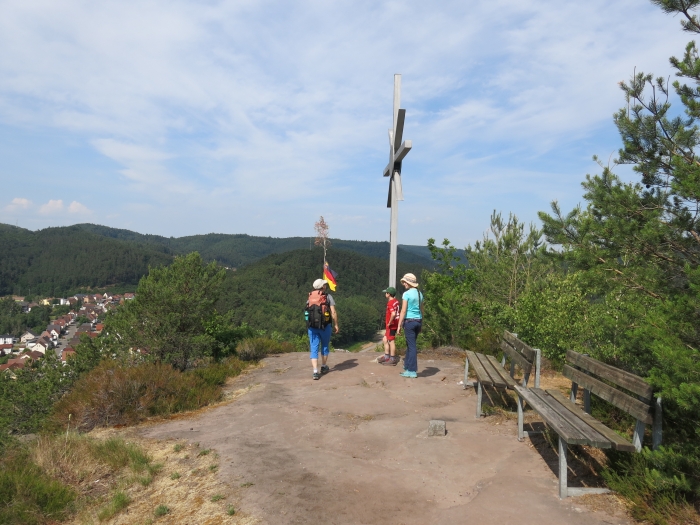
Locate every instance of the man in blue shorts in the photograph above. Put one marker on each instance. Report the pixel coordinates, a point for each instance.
(320, 314)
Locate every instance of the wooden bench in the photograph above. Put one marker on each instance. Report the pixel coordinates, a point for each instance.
(489, 372)
(577, 426)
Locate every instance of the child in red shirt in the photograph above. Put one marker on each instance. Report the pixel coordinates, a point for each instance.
(392, 324)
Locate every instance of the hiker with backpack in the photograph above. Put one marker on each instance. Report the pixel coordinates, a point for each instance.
(411, 320)
(320, 314)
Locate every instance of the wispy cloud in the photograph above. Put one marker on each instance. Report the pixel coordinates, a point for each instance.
(233, 106)
(17, 204)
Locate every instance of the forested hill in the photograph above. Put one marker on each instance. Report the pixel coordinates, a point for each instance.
(270, 294)
(62, 260)
(57, 260)
(237, 250)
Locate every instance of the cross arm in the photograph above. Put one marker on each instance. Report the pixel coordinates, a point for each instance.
(398, 157)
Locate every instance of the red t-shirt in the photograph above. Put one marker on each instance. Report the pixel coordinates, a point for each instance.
(392, 306)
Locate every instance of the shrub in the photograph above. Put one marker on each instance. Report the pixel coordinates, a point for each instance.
(117, 394)
(256, 348)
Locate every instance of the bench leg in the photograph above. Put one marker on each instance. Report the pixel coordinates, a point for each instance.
(638, 435)
(521, 434)
(563, 449)
(466, 374)
(478, 399)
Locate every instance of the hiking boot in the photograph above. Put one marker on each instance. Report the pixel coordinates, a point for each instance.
(325, 369)
(392, 361)
(383, 359)
(317, 375)
(410, 374)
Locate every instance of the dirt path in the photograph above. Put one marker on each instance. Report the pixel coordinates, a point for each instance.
(352, 448)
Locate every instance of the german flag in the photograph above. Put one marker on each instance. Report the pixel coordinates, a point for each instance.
(330, 277)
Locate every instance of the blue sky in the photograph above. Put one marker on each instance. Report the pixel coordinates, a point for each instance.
(181, 117)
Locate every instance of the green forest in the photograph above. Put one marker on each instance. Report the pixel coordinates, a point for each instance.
(270, 294)
(72, 259)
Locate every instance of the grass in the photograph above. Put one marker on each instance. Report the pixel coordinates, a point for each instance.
(204, 452)
(175, 475)
(161, 510)
(356, 347)
(217, 497)
(178, 447)
(54, 477)
(119, 502)
(230, 510)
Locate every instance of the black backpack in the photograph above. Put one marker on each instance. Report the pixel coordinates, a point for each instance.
(317, 312)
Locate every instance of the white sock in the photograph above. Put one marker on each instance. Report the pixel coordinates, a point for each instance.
(315, 370)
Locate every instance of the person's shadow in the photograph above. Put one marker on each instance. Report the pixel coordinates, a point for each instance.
(428, 371)
(345, 365)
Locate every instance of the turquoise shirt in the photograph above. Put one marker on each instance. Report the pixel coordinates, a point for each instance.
(413, 297)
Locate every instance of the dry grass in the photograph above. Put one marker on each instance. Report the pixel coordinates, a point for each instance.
(186, 485)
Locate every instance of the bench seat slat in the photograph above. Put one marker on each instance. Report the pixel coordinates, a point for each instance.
(516, 356)
(502, 372)
(521, 347)
(595, 438)
(496, 379)
(618, 442)
(481, 374)
(562, 427)
(632, 406)
(624, 379)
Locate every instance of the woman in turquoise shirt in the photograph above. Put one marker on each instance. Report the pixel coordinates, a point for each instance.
(411, 320)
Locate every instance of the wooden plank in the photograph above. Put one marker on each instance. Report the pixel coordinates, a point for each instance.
(521, 347)
(567, 432)
(502, 372)
(516, 357)
(624, 379)
(481, 374)
(632, 406)
(594, 438)
(618, 442)
(491, 371)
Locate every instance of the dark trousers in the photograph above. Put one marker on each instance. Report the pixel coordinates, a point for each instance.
(411, 329)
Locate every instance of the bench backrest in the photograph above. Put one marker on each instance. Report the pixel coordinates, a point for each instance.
(590, 374)
(520, 354)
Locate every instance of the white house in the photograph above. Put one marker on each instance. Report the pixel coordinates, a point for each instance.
(6, 340)
(28, 336)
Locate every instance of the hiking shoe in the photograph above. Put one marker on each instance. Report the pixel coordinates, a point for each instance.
(325, 369)
(317, 375)
(383, 359)
(410, 374)
(392, 361)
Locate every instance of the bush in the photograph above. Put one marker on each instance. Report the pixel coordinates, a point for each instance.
(256, 348)
(117, 394)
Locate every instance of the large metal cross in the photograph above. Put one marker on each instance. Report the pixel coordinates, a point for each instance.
(397, 151)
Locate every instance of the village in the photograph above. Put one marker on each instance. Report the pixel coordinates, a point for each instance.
(62, 334)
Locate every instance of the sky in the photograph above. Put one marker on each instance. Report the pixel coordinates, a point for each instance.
(180, 117)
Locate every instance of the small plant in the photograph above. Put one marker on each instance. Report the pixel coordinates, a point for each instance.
(217, 497)
(230, 510)
(178, 447)
(204, 452)
(175, 475)
(212, 468)
(118, 503)
(247, 484)
(161, 510)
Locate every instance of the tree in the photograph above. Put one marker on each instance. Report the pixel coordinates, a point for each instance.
(172, 316)
(637, 249)
(322, 238)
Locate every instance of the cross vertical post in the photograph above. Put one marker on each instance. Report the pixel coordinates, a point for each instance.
(397, 151)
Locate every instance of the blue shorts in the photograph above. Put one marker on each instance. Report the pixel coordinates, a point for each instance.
(319, 337)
